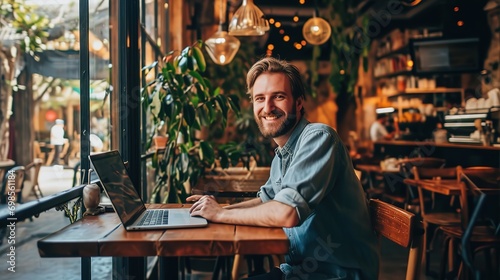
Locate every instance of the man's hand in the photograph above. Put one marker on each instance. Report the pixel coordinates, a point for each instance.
(194, 198)
(205, 206)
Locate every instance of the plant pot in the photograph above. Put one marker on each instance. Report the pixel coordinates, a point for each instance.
(160, 141)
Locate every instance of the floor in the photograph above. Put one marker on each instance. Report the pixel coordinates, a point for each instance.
(29, 265)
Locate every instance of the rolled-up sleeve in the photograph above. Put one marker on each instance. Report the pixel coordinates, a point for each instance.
(310, 168)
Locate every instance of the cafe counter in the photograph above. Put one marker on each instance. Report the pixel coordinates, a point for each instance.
(455, 154)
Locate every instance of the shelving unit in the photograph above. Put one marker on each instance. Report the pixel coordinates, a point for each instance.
(396, 82)
(409, 93)
(402, 50)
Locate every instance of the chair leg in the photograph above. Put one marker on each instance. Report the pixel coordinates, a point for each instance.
(236, 267)
(425, 249)
(444, 257)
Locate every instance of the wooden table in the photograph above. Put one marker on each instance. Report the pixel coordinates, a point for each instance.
(443, 186)
(104, 235)
(375, 169)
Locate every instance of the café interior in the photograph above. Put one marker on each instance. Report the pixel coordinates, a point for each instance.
(164, 83)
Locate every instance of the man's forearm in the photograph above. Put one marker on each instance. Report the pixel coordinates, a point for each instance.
(245, 204)
(270, 214)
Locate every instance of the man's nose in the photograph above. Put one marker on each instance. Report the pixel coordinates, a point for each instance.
(269, 105)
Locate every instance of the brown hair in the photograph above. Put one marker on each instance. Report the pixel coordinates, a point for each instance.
(274, 65)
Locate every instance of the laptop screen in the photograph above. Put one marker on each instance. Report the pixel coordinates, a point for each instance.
(117, 184)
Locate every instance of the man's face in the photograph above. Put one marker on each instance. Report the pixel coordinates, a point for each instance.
(275, 110)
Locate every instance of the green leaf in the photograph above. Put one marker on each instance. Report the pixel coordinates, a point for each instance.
(183, 64)
(234, 102)
(189, 114)
(208, 152)
(202, 95)
(200, 59)
(203, 115)
(198, 78)
(222, 101)
(223, 159)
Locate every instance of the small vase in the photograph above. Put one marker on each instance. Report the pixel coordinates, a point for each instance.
(160, 142)
(91, 196)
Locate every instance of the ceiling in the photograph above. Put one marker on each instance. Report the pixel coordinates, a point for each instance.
(432, 14)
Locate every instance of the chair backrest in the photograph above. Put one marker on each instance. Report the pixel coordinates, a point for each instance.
(444, 173)
(401, 227)
(37, 151)
(478, 181)
(13, 182)
(36, 165)
(482, 187)
(406, 168)
(422, 162)
(406, 165)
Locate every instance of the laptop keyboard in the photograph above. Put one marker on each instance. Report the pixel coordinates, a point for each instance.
(154, 217)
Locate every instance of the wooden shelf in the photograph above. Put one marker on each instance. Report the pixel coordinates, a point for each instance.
(394, 74)
(402, 50)
(417, 91)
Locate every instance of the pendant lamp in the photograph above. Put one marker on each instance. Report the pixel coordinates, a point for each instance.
(222, 47)
(248, 20)
(316, 31)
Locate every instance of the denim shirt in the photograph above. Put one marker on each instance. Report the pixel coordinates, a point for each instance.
(313, 173)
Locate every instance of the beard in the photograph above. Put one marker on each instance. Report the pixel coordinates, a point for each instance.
(279, 128)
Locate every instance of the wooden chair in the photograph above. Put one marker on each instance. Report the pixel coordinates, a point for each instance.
(405, 195)
(36, 165)
(479, 230)
(401, 227)
(435, 214)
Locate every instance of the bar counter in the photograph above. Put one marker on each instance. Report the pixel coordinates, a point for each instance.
(455, 154)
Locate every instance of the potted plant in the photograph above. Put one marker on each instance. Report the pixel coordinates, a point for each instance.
(160, 139)
(182, 101)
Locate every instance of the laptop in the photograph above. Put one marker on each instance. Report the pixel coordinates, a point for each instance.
(127, 203)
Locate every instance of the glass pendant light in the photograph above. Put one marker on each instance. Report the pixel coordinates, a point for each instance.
(248, 20)
(316, 30)
(222, 47)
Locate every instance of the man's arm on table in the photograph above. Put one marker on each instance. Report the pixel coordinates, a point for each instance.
(251, 212)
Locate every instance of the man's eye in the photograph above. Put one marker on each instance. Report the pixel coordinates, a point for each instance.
(258, 99)
(279, 97)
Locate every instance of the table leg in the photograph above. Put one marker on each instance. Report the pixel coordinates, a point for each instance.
(168, 268)
(129, 268)
(86, 268)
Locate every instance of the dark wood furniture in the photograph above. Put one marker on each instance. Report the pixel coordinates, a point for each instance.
(401, 227)
(454, 154)
(479, 230)
(436, 209)
(104, 235)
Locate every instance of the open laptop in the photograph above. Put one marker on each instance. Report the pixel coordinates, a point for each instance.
(128, 204)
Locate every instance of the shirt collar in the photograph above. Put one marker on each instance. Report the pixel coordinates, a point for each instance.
(290, 143)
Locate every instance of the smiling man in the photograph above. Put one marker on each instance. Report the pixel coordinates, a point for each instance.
(312, 191)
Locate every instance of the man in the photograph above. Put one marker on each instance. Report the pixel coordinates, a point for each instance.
(312, 191)
(57, 139)
(378, 130)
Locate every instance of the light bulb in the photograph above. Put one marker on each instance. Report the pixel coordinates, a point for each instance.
(316, 31)
(248, 20)
(222, 47)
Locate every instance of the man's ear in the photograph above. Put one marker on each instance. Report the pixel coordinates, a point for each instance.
(299, 103)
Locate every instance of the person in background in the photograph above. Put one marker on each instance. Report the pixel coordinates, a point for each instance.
(378, 131)
(312, 191)
(57, 139)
